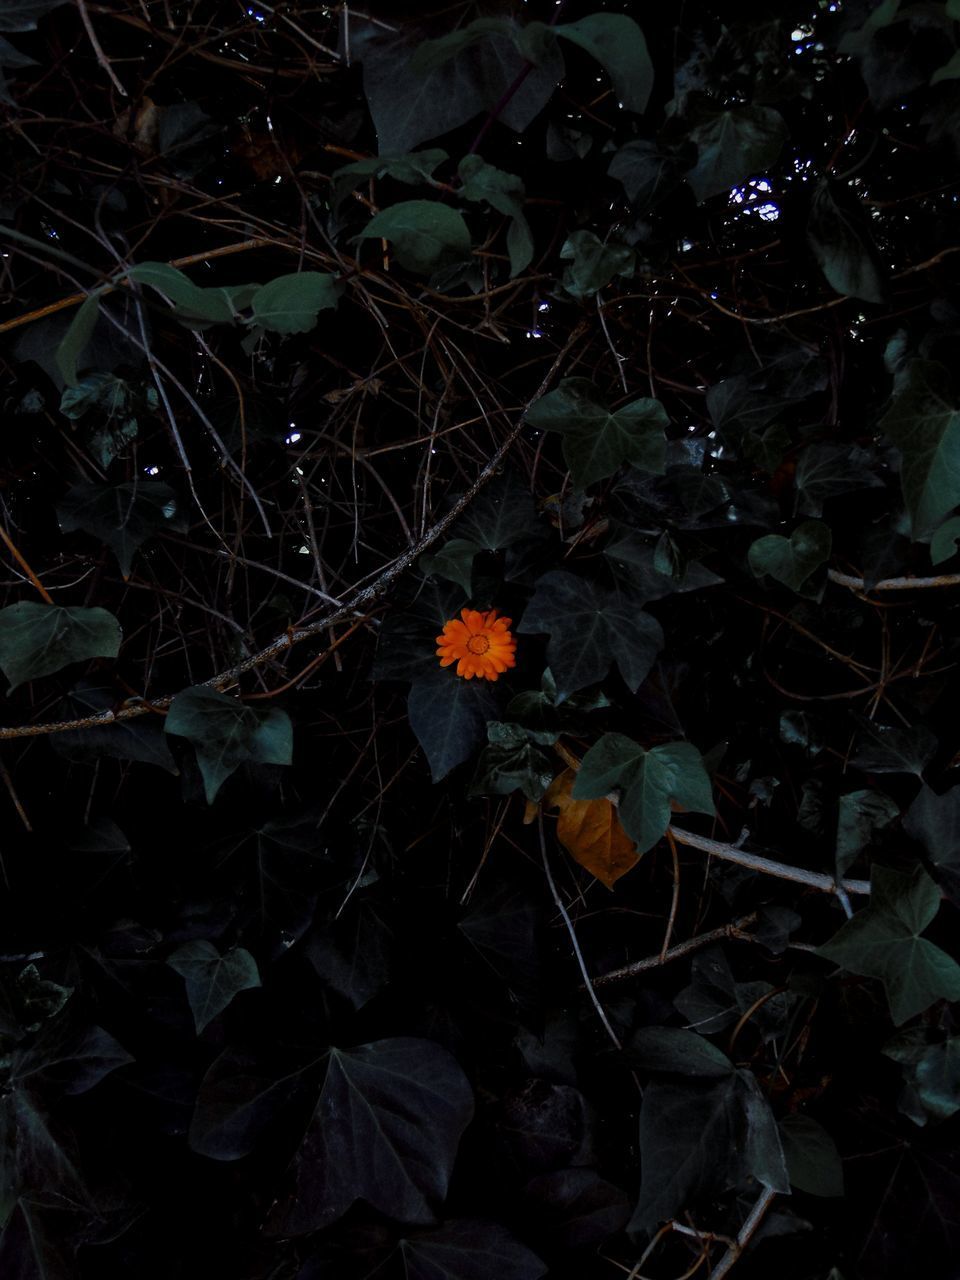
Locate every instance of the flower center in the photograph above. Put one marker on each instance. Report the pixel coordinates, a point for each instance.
(478, 644)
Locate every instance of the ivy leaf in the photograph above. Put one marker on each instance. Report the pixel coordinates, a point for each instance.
(676, 1051)
(191, 303)
(141, 740)
(593, 265)
(576, 1207)
(385, 1130)
(813, 1160)
(597, 442)
(859, 815)
(647, 780)
(11, 59)
(123, 516)
(840, 238)
(449, 716)
(647, 174)
(291, 303)
(503, 929)
(590, 831)
(503, 192)
(949, 71)
(22, 15)
(39, 639)
(943, 544)
(589, 630)
(213, 979)
(935, 822)
(425, 234)
(468, 1250)
(454, 561)
(826, 471)
(409, 104)
(732, 143)
(618, 44)
(434, 53)
(633, 555)
(503, 515)
(924, 423)
(411, 168)
(545, 716)
(226, 734)
(75, 341)
(882, 748)
(237, 1102)
(883, 941)
(792, 560)
(511, 762)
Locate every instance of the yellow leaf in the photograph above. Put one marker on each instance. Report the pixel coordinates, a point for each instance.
(590, 831)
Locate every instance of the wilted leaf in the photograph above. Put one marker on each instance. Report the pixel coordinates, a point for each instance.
(590, 831)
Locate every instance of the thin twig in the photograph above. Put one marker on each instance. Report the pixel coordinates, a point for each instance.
(95, 44)
(893, 584)
(34, 580)
(737, 931)
(754, 1218)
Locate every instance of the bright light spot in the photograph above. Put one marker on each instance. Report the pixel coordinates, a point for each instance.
(544, 306)
(293, 437)
(152, 471)
(534, 333)
(298, 470)
(768, 213)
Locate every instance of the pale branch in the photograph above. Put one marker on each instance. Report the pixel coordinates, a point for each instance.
(730, 853)
(745, 1234)
(893, 584)
(352, 608)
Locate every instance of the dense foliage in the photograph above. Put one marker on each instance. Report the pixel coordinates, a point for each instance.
(636, 325)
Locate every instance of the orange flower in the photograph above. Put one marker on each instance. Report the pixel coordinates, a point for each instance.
(481, 645)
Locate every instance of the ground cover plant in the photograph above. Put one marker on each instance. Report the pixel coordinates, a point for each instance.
(479, 752)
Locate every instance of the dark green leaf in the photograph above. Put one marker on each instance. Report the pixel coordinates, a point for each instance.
(412, 169)
(733, 143)
(410, 105)
(792, 560)
(237, 1103)
(385, 1130)
(511, 762)
(468, 1250)
(597, 441)
(501, 516)
(503, 929)
(812, 1157)
(678, 1052)
(291, 303)
(647, 780)
(763, 1155)
(842, 244)
(648, 174)
(634, 555)
(225, 733)
(449, 716)
(936, 1079)
(434, 53)
(545, 717)
(74, 342)
(883, 941)
(882, 748)
(141, 739)
(11, 59)
(190, 302)
(38, 639)
(407, 643)
(213, 979)
(617, 43)
(503, 192)
(354, 955)
(943, 544)
(688, 1144)
(827, 471)
(589, 630)
(123, 516)
(714, 1000)
(23, 15)
(593, 265)
(924, 423)
(859, 815)
(425, 234)
(453, 561)
(935, 821)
